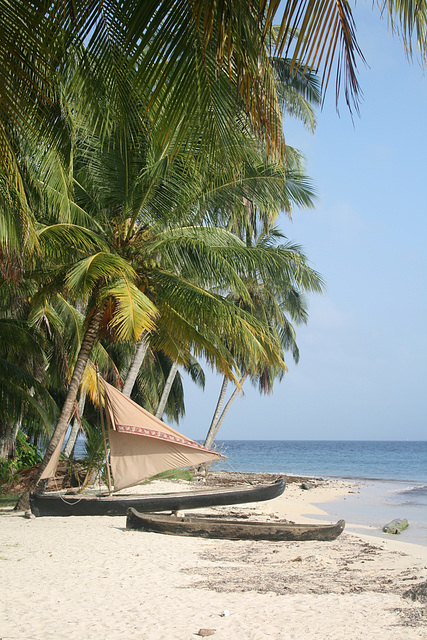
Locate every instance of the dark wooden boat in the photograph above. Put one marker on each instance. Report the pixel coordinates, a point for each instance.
(231, 529)
(55, 504)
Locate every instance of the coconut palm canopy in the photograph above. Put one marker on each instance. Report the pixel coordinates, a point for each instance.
(192, 64)
(177, 48)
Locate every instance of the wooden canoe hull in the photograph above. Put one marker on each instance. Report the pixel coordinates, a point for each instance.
(231, 529)
(75, 505)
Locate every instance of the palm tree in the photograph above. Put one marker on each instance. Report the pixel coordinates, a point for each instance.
(269, 186)
(94, 272)
(161, 381)
(175, 48)
(277, 299)
(127, 270)
(296, 96)
(104, 280)
(98, 235)
(271, 189)
(27, 401)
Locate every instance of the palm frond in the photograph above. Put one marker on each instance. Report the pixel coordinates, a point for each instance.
(134, 312)
(318, 33)
(86, 273)
(409, 19)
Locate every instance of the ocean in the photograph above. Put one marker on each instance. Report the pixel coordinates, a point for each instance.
(381, 460)
(391, 476)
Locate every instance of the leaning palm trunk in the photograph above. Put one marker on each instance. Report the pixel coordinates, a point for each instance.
(228, 405)
(75, 428)
(5, 439)
(215, 427)
(137, 360)
(8, 438)
(210, 438)
(14, 435)
(166, 390)
(68, 407)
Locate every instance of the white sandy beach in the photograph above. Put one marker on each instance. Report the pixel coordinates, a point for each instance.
(89, 578)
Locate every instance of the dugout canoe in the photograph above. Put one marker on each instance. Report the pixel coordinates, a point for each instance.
(206, 527)
(54, 504)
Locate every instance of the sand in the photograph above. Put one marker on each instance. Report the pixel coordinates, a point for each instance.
(89, 578)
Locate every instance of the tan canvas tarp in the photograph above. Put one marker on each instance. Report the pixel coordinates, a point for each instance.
(142, 445)
(50, 469)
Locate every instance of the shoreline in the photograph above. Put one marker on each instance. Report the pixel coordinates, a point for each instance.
(317, 477)
(366, 504)
(76, 577)
(375, 503)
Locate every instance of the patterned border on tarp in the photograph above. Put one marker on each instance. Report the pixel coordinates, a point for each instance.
(152, 433)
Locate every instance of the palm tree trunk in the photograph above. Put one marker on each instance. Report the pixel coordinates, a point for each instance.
(14, 435)
(68, 406)
(8, 437)
(5, 434)
(228, 405)
(137, 360)
(75, 428)
(166, 390)
(210, 438)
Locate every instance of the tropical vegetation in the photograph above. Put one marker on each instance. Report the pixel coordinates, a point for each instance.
(142, 170)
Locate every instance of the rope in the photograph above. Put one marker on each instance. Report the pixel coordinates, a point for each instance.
(238, 473)
(61, 496)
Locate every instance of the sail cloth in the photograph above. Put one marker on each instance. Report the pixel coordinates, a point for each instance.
(50, 468)
(141, 445)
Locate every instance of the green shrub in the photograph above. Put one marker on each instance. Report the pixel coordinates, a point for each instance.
(8, 471)
(27, 455)
(174, 474)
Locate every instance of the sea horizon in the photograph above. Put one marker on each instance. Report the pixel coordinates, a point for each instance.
(388, 460)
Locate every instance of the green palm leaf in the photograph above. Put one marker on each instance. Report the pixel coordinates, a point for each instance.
(86, 273)
(134, 312)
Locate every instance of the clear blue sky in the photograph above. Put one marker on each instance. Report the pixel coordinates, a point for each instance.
(363, 366)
